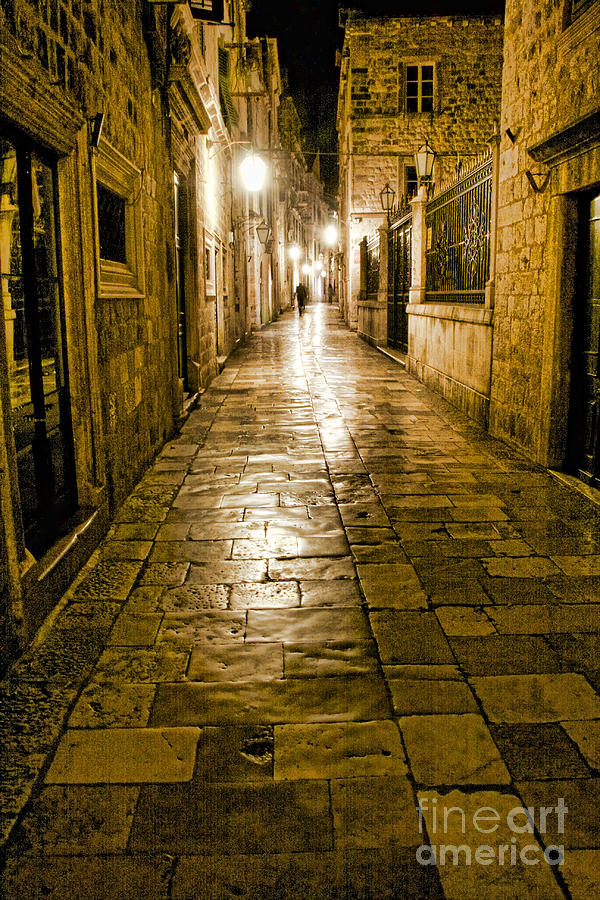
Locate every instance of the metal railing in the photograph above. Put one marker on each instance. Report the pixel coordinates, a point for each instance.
(373, 264)
(399, 276)
(458, 222)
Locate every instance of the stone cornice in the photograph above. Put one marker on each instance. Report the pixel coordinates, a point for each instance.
(570, 141)
(36, 106)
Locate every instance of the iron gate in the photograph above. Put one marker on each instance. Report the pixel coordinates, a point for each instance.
(399, 274)
(458, 223)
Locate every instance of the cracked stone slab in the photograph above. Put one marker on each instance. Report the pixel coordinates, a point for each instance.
(195, 597)
(578, 565)
(537, 698)
(168, 663)
(363, 514)
(330, 593)
(349, 749)
(281, 547)
(391, 586)
(504, 654)
(62, 877)
(334, 699)
(326, 875)
(230, 753)
(234, 572)
(190, 551)
(520, 566)
(453, 826)
(165, 574)
(546, 619)
(254, 817)
(227, 662)
(452, 749)
(106, 705)
(310, 660)
(359, 803)
(108, 579)
(581, 872)
(427, 696)
(307, 569)
(272, 595)
(581, 797)
(187, 629)
(135, 630)
(293, 625)
(410, 638)
(464, 621)
(124, 756)
(77, 819)
(587, 737)
(533, 751)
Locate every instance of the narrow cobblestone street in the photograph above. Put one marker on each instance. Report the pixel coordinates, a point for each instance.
(331, 597)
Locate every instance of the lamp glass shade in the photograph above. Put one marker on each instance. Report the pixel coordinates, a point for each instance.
(262, 232)
(253, 171)
(386, 195)
(424, 158)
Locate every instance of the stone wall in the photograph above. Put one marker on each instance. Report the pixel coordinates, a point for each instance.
(467, 56)
(551, 79)
(63, 63)
(378, 138)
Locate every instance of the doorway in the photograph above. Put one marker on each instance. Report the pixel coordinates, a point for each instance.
(584, 420)
(34, 324)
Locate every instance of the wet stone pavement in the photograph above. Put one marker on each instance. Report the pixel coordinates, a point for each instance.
(330, 598)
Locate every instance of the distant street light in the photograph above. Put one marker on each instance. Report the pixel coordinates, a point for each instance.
(294, 252)
(331, 235)
(306, 268)
(253, 171)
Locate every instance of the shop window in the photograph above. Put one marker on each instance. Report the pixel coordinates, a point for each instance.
(119, 224)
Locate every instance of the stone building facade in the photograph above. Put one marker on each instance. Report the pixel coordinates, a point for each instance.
(404, 80)
(88, 385)
(545, 396)
(130, 264)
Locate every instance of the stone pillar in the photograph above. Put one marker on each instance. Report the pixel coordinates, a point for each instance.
(382, 293)
(490, 286)
(419, 246)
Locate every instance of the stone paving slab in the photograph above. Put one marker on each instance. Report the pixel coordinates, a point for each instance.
(331, 594)
(222, 818)
(124, 756)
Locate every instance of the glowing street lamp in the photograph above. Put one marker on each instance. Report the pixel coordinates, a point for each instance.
(331, 235)
(306, 269)
(253, 171)
(294, 252)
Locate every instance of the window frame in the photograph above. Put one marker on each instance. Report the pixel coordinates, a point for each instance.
(117, 280)
(419, 64)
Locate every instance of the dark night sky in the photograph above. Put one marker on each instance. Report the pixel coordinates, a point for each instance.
(308, 35)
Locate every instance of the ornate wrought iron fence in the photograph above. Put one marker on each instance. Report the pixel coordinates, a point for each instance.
(399, 277)
(373, 264)
(458, 248)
